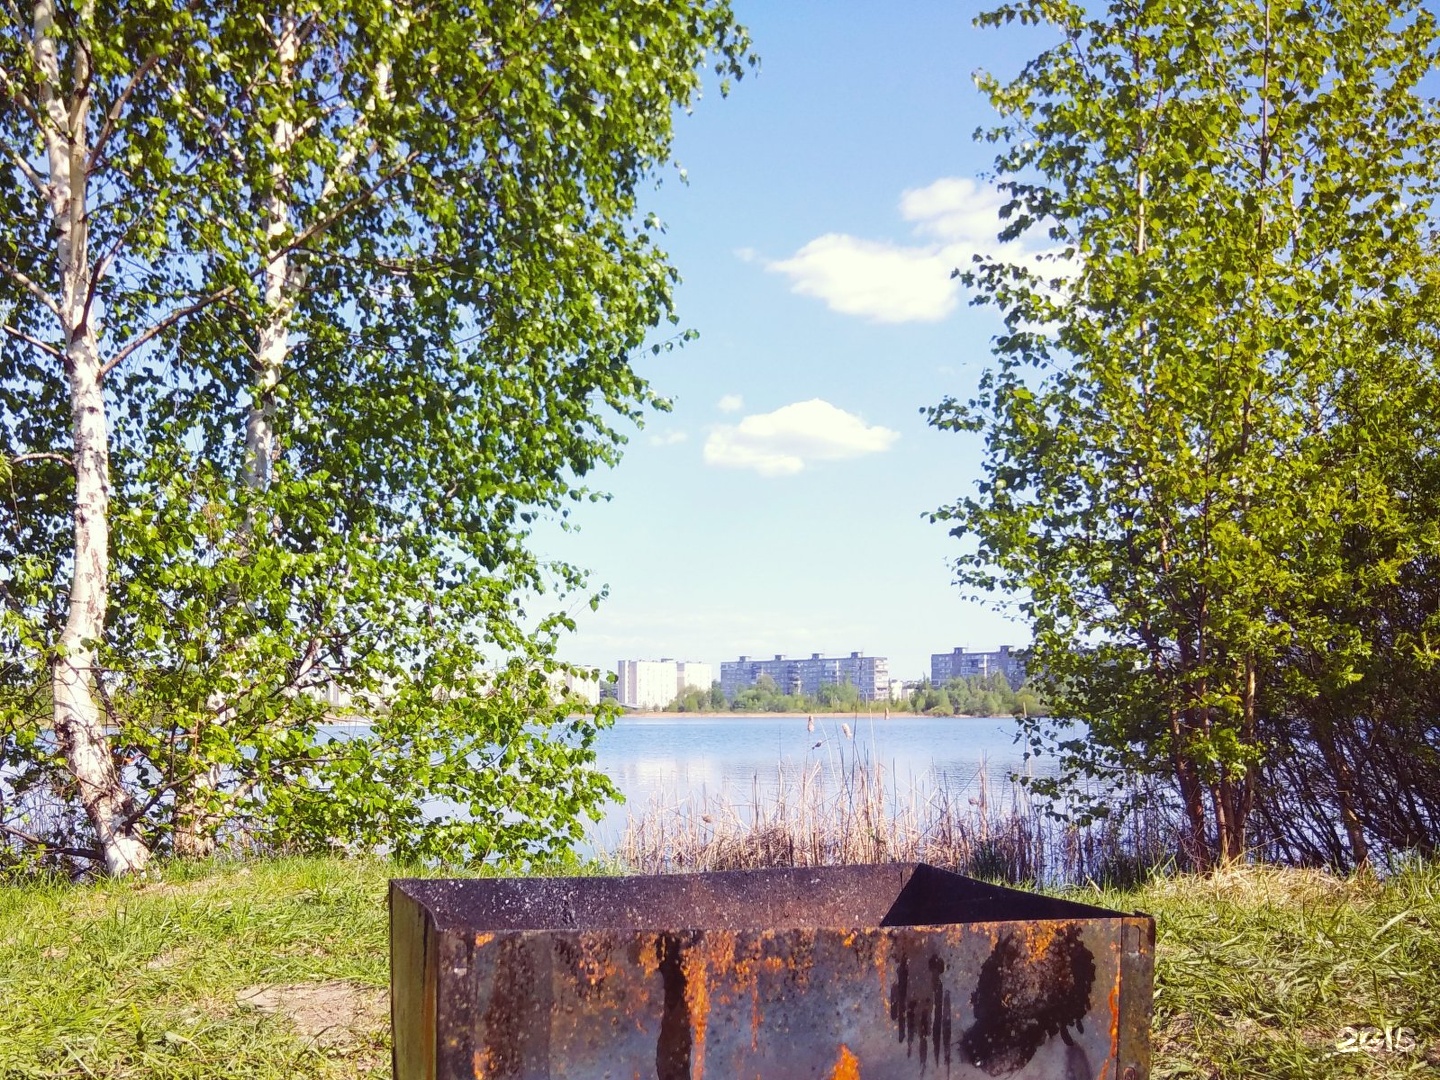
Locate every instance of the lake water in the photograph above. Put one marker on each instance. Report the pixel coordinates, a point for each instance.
(672, 760)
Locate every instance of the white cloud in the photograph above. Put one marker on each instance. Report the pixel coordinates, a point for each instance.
(889, 283)
(730, 403)
(785, 441)
(953, 220)
(955, 210)
(668, 438)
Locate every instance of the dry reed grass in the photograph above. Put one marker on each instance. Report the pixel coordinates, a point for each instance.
(837, 813)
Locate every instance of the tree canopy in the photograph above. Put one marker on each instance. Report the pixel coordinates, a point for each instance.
(1209, 424)
(357, 287)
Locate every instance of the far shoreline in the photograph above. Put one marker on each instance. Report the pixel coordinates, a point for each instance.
(896, 715)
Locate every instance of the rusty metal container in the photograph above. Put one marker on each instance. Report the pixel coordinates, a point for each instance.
(869, 972)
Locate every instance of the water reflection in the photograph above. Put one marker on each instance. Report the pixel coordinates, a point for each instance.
(671, 760)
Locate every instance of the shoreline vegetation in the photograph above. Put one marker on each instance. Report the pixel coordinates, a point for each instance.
(876, 711)
(967, 695)
(1289, 974)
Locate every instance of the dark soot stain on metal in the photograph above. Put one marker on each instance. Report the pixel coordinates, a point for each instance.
(923, 1012)
(1026, 994)
(672, 1049)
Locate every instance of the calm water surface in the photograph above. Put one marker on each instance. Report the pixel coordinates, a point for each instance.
(673, 760)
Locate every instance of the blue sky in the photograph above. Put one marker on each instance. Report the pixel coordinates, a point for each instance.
(780, 506)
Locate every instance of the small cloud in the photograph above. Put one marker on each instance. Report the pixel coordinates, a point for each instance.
(747, 254)
(668, 438)
(954, 219)
(889, 283)
(730, 403)
(955, 210)
(784, 442)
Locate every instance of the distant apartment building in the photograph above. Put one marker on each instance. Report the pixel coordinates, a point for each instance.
(653, 684)
(692, 673)
(959, 664)
(576, 686)
(869, 674)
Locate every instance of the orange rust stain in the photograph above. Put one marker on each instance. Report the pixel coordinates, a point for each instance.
(882, 967)
(847, 1067)
(1114, 1048)
(1115, 1004)
(1039, 936)
(649, 953)
(478, 1062)
(697, 1003)
(481, 940)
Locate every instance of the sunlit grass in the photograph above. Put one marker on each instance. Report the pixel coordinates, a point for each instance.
(1266, 972)
(1259, 971)
(119, 979)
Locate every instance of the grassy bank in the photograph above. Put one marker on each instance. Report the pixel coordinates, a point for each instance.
(278, 969)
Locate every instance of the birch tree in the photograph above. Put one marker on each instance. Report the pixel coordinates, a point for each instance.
(431, 268)
(1244, 190)
(86, 262)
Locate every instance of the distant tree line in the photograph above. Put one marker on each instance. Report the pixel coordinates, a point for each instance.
(977, 695)
(972, 696)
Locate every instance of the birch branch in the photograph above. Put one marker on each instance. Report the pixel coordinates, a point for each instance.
(13, 89)
(43, 455)
(42, 346)
(28, 171)
(113, 116)
(58, 849)
(24, 281)
(160, 327)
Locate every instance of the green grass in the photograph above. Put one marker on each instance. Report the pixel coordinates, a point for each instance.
(125, 980)
(1259, 971)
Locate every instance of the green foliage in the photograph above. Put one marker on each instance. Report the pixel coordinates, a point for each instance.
(1212, 393)
(977, 695)
(469, 270)
(695, 699)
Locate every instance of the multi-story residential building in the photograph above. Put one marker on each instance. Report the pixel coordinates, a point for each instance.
(869, 674)
(577, 686)
(959, 664)
(693, 674)
(653, 684)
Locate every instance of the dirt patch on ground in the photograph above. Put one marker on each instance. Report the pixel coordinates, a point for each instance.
(335, 1015)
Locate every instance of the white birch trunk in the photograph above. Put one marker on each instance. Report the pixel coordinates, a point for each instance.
(280, 278)
(274, 341)
(79, 727)
(195, 822)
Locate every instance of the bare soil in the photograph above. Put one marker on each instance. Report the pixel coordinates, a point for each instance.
(336, 1015)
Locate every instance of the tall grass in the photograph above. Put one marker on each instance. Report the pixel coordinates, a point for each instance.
(851, 811)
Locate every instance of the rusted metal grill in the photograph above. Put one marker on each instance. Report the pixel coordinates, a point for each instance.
(851, 972)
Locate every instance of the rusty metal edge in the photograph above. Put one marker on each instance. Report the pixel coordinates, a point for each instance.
(1137, 991)
(412, 968)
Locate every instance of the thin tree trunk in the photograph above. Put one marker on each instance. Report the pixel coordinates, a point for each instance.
(274, 341)
(1244, 802)
(79, 727)
(1190, 792)
(1344, 778)
(195, 821)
